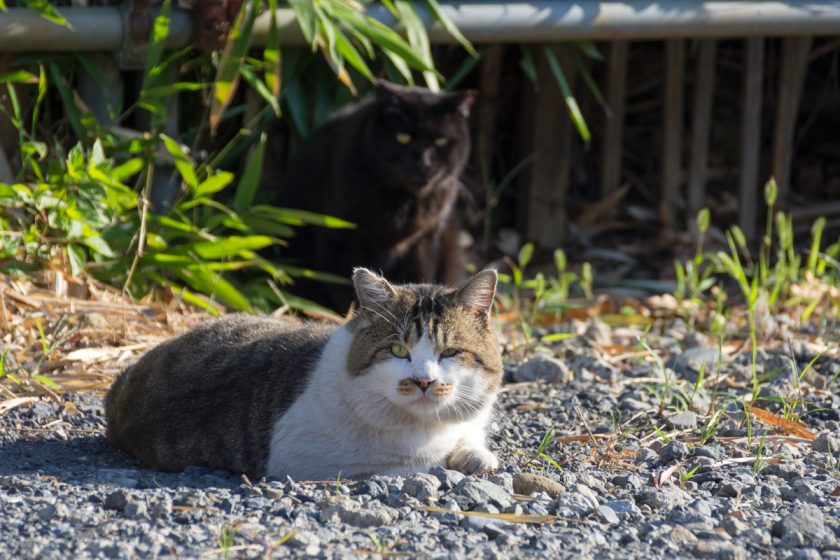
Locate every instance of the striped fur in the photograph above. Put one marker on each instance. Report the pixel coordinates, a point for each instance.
(260, 396)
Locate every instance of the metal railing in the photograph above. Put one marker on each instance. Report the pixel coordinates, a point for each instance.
(106, 28)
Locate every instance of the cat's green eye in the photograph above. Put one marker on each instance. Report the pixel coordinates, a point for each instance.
(399, 351)
(403, 138)
(449, 352)
(441, 142)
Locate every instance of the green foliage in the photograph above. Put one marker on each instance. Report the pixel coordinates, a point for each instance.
(81, 199)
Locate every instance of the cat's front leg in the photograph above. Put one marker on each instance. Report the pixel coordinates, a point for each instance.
(470, 458)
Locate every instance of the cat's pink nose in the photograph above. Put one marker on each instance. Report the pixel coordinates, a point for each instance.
(423, 382)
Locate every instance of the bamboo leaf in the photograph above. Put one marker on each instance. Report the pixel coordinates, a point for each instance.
(246, 190)
(305, 15)
(227, 76)
(157, 43)
(229, 246)
(271, 57)
(571, 102)
(18, 77)
(214, 183)
(69, 102)
(259, 86)
(47, 11)
(418, 39)
(300, 217)
(450, 26)
(182, 161)
(214, 285)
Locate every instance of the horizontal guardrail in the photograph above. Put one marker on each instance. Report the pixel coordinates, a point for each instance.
(105, 28)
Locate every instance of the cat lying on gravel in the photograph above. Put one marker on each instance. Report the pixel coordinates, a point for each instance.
(407, 384)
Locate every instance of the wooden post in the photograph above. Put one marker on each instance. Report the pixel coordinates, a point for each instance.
(751, 136)
(548, 181)
(795, 51)
(672, 133)
(701, 124)
(614, 131)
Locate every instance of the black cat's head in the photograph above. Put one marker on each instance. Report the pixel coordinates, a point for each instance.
(418, 137)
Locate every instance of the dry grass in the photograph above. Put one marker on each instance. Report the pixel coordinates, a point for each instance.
(60, 335)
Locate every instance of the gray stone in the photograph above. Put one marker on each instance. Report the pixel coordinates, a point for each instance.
(543, 368)
(481, 491)
(622, 506)
(674, 451)
(135, 510)
(681, 536)
(116, 500)
(786, 471)
(665, 497)
(733, 526)
(682, 515)
(306, 541)
(827, 442)
(807, 520)
(529, 483)
(685, 420)
(647, 456)
(719, 549)
(575, 505)
(448, 478)
(728, 489)
(492, 527)
(52, 511)
(350, 512)
(608, 515)
(807, 554)
(632, 482)
(421, 486)
(503, 479)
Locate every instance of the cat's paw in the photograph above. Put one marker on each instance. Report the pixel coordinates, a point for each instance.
(472, 460)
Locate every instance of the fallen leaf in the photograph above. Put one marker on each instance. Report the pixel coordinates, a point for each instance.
(794, 428)
(11, 404)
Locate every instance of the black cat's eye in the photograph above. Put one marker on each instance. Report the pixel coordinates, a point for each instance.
(449, 352)
(441, 142)
(399, 351)
(403, 138)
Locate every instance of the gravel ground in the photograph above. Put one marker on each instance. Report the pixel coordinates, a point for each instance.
(624, 491)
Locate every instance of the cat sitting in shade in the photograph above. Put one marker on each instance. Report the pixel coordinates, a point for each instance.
(407, 384)
(391, 164)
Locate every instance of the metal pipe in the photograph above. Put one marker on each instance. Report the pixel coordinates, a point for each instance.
(88, 29)
(541, 21)
(545, 21)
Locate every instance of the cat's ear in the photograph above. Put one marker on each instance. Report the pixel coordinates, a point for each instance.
(462, 101)
(387, 91)
(372, 290)
(478, 292)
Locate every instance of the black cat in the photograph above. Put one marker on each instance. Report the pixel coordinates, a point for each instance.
(391, 165)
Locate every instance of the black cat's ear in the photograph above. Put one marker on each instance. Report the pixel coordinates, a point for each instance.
(462, 101)
(387, 91)
(478, 292)
(372, 290)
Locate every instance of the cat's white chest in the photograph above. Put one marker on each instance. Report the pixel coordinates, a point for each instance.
(321, 435)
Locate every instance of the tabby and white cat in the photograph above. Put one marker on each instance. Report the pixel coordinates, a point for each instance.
(407, 384)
